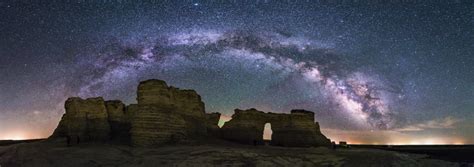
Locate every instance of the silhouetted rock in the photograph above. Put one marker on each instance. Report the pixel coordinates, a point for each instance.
(295, 129)
(154, 125)
(212, 124)
(119, 121)
(187, 103)
(165, 114)
(153, 92)
(157, 92)
(84, 120)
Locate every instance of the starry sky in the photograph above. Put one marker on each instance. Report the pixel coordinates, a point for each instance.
(399, 72)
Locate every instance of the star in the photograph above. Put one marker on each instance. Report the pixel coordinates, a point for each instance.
(358, 67)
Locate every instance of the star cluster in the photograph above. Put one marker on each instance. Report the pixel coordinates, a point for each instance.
(391, 71)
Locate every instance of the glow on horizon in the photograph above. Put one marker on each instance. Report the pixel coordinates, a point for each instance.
(351, 137)
(354, 137)
(23, 134)
(15, 136)
(390, 137)
(18, 135)
(413, 142)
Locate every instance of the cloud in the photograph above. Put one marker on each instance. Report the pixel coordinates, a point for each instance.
(444, 123)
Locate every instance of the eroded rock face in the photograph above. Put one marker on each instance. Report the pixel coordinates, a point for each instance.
(187, 103)
(157, 92)
(297, 129)
(119, 120)
(84, 120)
(246, 126)
(154, 126)
(166, 114)
(163, 114)
(154, 92)
(212, 124)
(300, 131)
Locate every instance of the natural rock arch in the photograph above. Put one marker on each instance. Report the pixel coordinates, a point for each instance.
(165, 114)
(296, 129)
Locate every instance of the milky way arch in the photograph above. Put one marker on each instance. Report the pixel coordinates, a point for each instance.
(362, 97)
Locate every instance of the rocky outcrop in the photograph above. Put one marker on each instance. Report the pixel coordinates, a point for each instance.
(212, 120)
(246, 126)
(301, 130)
(84, 120)
(119, 120)
(296, 129)
(154, 126)
(165, 114)
(186, 103)
(158, 93)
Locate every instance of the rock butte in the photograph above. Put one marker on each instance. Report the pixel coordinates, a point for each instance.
(165, 114)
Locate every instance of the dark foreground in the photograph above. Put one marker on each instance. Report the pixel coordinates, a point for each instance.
(463, 154)
(10, 142)
(56, 153)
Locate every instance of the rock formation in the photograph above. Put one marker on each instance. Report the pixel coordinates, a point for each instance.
(154, 126)
(212, 124)
(119, 120)
(297, 129)
(165, 114)
(84, 120)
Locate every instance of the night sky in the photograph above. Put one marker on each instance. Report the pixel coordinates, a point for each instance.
(376, 73)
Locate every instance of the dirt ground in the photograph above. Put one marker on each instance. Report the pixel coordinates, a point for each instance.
(48, 153)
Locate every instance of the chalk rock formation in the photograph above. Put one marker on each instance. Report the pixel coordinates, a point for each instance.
(119, 120)
(213, 124)
(154, 125)
(296, 129)
(301, 131)
(157, 92)
(84, 120)
(187, 103)
(165, 114)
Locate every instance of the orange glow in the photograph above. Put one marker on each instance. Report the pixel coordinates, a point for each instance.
(24, 135)
(458, 143)
(388, 137)
(14, 136)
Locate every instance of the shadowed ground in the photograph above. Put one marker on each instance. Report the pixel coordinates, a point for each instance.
(56, 153)
(463, 154)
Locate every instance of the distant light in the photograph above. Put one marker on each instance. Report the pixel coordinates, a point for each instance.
(196, 4)
(267, 131)
(15, 137)
(458, 143)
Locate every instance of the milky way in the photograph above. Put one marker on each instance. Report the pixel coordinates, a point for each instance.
(357, 95)
(372, 72)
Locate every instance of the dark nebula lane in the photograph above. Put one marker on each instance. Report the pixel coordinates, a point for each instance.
(397, 73)
(242, 54)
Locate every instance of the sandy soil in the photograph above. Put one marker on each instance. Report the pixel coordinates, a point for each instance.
(47, 153)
